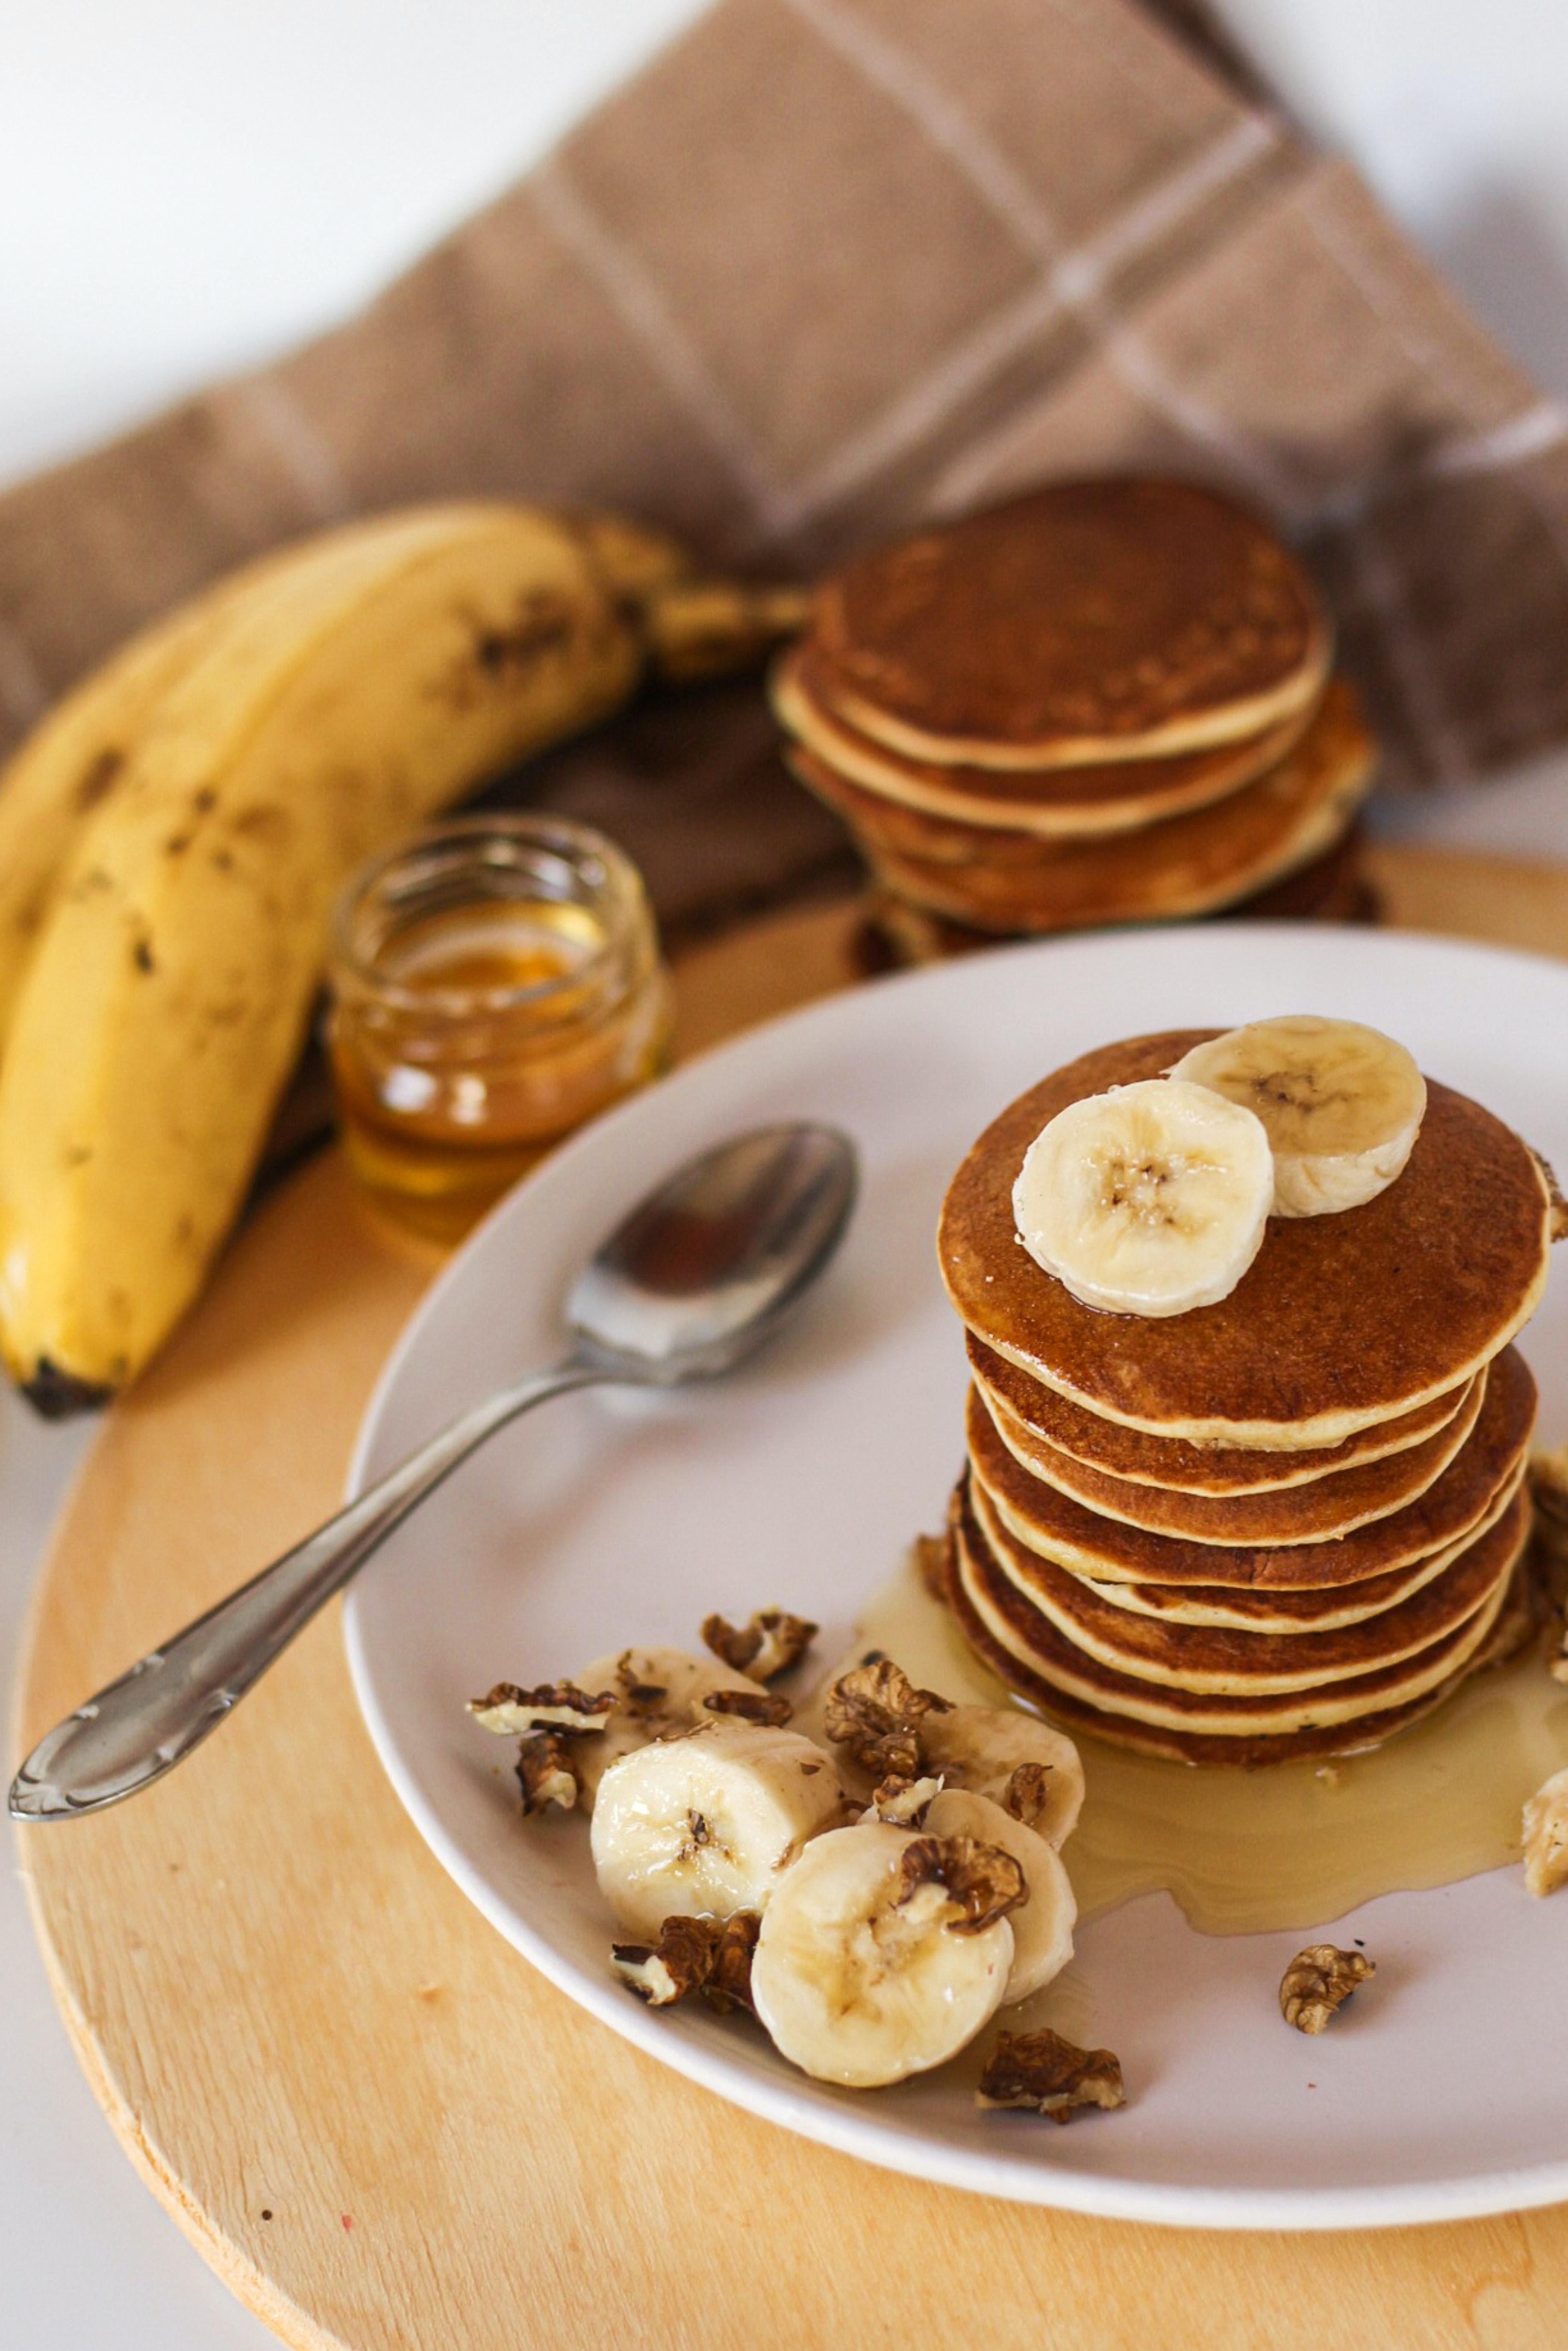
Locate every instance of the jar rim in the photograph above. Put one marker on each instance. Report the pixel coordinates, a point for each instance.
(616, 894)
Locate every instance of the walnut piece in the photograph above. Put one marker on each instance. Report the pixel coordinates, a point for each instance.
(1028, 1792)
(1042, 2071)
(553, 1705)
(769, 1645)
(1546, 1835)
(1318, 1982)
(765, 1706)
(1557, 1225)
(876, 1711)
(546, 1772)
(730, 1983)
(901, 1803)
(983, 1881)
(712, 1956)
(1546, 1560)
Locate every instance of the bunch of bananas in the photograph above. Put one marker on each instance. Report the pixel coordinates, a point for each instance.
(174, 834)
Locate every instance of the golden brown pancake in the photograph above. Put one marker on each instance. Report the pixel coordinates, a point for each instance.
(1231, 1659)
(1312, 1511)
(1085, 622)
(1125, 1453)
(1321, 1611)
(952, 808)
(1034, 1646)
(1330, 889)
(1182, 866)
(1047, 1521)
(1185, 1746)
(1341, 1321)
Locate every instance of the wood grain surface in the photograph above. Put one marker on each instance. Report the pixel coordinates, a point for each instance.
(378, 2124)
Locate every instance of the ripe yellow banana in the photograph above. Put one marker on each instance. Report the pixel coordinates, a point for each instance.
(74, 758)
(267, 741)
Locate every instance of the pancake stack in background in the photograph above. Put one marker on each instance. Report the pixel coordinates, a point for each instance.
(1285, 1522)
(1103, 702)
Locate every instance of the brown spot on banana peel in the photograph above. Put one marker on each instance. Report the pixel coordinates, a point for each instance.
(98, 778)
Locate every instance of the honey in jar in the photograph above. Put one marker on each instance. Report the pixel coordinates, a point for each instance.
(495, 984)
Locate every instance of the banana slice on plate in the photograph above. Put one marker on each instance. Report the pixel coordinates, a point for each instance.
(1031, 1771)
(660, 1690)
(1042, 1925)
(868, 1966)
(1341, 1104)
(1150, 1199)
(707, 1823)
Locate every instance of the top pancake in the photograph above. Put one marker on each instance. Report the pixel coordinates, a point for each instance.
(1340, 1321)
(1084, 621)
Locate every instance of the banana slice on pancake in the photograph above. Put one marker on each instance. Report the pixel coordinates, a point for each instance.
(1341, 1104)
(1150, 1199)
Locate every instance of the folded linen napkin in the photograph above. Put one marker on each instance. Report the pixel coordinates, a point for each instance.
(827, 267)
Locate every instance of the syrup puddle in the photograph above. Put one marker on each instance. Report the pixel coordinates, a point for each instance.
(1291, 1844)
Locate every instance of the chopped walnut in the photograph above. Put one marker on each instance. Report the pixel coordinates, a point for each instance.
(1546, 1835)
(1549, 1543)
(1042, 2071)
(1026, 1795)
(765, 1706)
(712, 1956)
(901, 1803)
(876, 1711)
(1318, 1982)
(985, 1882)
(553, 1705)
(730, 1983)
(769, 1646)
(1557, 1224)
(679, 1963)
(547, 1773)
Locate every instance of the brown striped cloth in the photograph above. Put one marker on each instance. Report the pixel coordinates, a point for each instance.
(826, 266)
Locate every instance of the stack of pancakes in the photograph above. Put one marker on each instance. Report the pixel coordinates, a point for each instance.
(1286, 1524)
(1106, 701)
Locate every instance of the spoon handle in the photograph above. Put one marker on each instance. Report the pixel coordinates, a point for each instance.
(139, 1726)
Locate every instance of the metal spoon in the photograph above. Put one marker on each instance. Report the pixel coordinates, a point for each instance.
(697, 1276)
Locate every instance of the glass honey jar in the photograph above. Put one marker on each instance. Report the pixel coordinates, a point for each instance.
(495, 982)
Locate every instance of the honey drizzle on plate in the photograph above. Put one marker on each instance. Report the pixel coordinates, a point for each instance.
(1287, 1844)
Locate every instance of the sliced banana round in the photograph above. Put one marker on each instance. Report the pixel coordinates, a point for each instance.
(659, 1690)
(863, 1977)
(1030, 1771)
(1150, 1199)
(1042, 1925)
(1341, 1104)
(707, 1823)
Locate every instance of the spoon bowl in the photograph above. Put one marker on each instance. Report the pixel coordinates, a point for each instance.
(706, 1269)
(699, 1275)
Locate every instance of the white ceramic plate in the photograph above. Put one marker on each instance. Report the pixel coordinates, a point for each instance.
(608, 1519)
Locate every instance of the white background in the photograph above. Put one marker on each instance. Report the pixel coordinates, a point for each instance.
(185, 189)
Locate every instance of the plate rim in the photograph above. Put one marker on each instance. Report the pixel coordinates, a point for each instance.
(1116, 2195)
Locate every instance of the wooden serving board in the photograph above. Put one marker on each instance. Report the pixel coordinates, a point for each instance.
(378, 2124)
